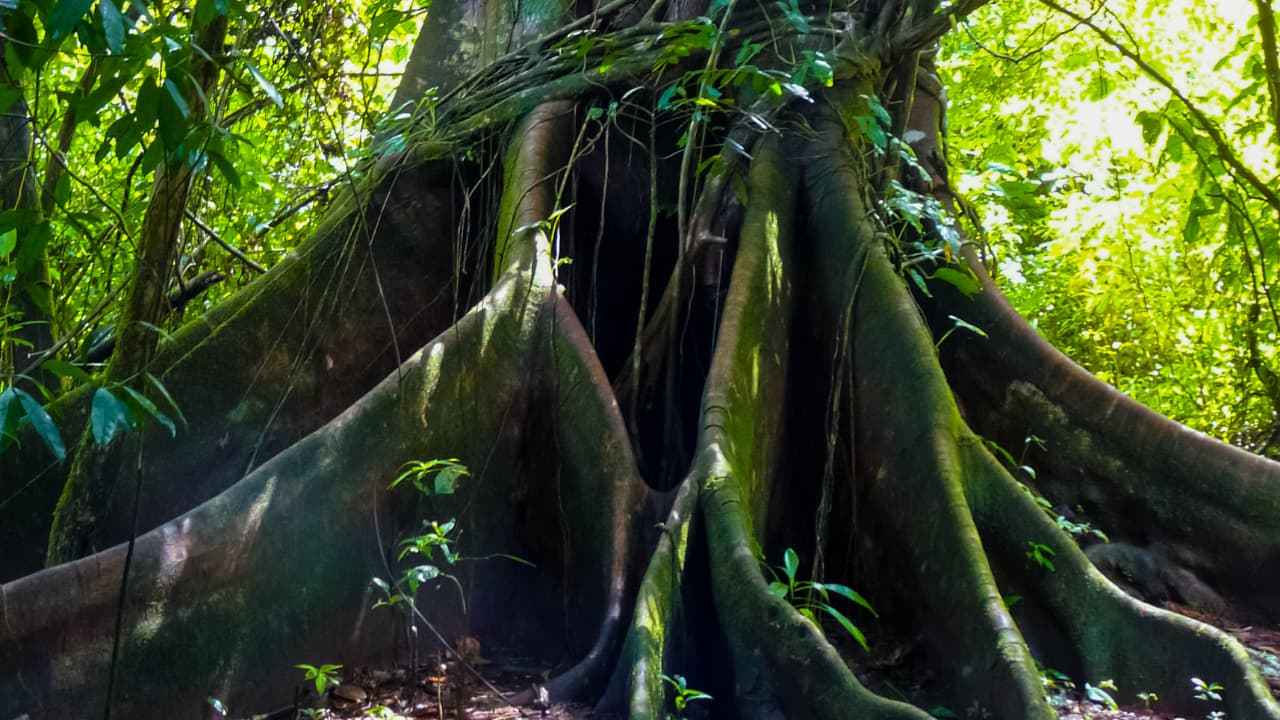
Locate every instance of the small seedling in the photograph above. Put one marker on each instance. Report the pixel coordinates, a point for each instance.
(1206, 691)
(1042, 554)
(1148, 699)
(444, 473)
(1099, 694)
(810, 597)
(1051, 679)
(684, 695)
(324, 676)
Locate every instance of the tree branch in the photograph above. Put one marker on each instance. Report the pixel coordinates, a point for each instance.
(1267, 30)
(236, 252)
(1207, 126)
(921, 34)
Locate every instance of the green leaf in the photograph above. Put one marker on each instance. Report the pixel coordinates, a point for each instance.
(112, 26)
(968, 326)
(62, 368)
(664, 100)
(164, 393)
(1152, 125)
(8, 416)
(851, 594)
(790, 564)
(66, 14)
(172, 118)
(778, 590)
(265, 84)
(918, 279)
(1100, 696)
(447, 481)
(1100, 86)
(878, 110)
(224, 166)
(848, 626)
(43, 424)
(8, 241)
(108, 416)
(961, 280)
(145, 403)
(175, 94)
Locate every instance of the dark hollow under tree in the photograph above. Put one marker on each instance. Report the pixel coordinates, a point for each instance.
(733, 364)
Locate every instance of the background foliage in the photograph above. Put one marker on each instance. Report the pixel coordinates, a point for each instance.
(1114, 221)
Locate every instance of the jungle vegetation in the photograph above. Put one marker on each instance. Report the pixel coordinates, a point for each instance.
(697, 318)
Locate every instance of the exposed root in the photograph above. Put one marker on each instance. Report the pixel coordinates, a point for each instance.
(1092, 629)
(275, 570)
(322, 329)
(1204, 505)
(214, 592)
(911, 460)
(603, 505)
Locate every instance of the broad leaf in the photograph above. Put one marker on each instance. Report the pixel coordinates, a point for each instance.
(108, 416)
(43, 424)
(62, 368)
(962, 281)
(64, 16)
(851, 594)
(265, 84)
(145, 403)
(847, 625)
(112, 26)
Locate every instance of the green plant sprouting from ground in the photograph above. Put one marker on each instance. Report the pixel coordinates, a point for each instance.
(1101, 694)
(683, 695)
(812, 597)
(431, 478)
(1209, 692)
(436, 542)
(443, 473)
(324, 676)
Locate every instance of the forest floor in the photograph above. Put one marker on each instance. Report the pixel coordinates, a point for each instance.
(445, 691)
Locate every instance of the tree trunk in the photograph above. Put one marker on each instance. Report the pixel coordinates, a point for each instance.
(786, 368)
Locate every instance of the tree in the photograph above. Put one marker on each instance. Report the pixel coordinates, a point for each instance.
(813, 375)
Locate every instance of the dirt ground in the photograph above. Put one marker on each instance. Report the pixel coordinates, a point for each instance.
(485, 690)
